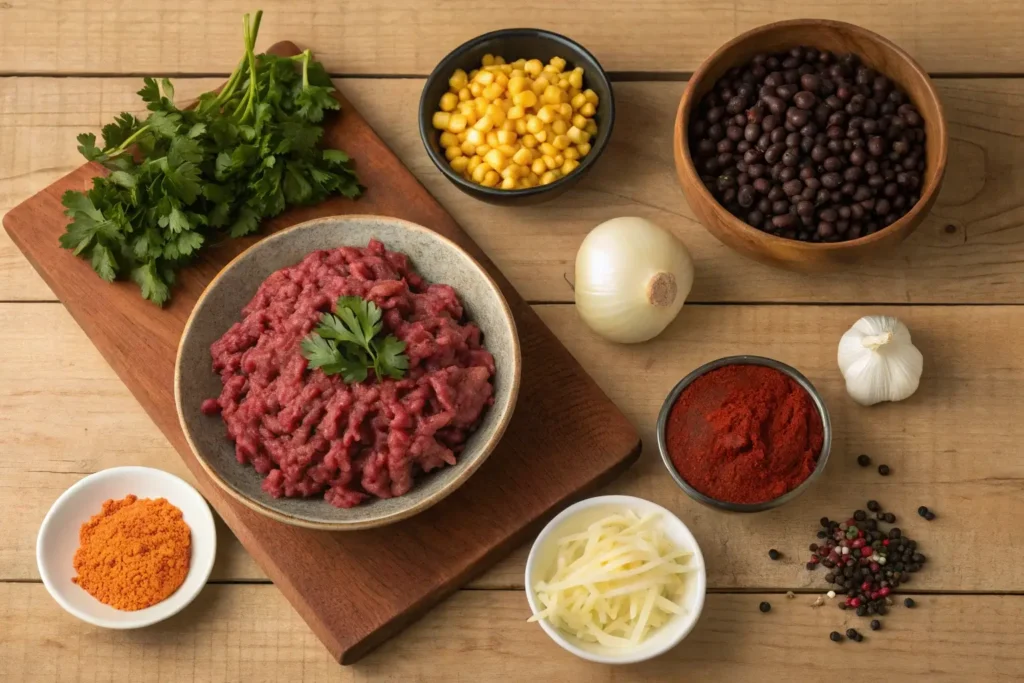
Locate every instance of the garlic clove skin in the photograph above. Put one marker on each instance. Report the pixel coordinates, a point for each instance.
(879, 361)
(632, 279)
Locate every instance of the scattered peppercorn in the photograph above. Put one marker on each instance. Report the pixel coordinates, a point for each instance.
(863, 460)
(765, 607)
(883, 470)
(890, 518)
(909, 602)
(923, 511)
(774, 554)
(835, 636)
(860, 515)
(930, 516)
(874, 506)
(875, 624)
(812, 565)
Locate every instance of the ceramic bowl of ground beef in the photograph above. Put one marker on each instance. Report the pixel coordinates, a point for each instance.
(305, 447)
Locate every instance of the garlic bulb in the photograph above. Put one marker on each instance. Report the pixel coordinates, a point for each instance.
(632, 278)
(878, 360)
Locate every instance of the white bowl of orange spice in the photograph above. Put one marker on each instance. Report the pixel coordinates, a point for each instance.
(126, 547)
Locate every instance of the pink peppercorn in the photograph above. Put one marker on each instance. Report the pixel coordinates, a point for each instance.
(884, 591)
(857, 543)
(885, 541)
(875, 566)
(866, 551)
(853, 602)
(866, 586)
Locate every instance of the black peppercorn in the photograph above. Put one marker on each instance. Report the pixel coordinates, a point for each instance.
(863, 460)
(835, 636)
(774, 554)
(765, 607)
(909, 602)
(883, 470)
(874, 506)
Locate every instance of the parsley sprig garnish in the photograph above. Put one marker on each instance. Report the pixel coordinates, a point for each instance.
(215, 170)
(348, 343)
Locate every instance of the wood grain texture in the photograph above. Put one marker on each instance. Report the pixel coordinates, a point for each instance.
(248, 633)
(391, 575)
(839, 38)
(969, 249)
(953, 446)
(410, 37)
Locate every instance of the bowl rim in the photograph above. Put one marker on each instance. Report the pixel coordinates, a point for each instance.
(682, 143)
(405, 513)
(790, 371)
(631, 502)
(445, 65)
(204, 565)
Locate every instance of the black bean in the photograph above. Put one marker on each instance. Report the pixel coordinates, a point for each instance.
(752, 132)
(832, 164)
(831, 180)
(786, 91)
(745, 196)
(781, 207)
(778, 135)
(776, 105)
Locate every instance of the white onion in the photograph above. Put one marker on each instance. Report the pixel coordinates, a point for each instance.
(632, 278)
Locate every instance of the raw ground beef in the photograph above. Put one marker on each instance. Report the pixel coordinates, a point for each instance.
(310, 434)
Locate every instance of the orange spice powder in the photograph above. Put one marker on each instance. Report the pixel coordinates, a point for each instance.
(134, 553)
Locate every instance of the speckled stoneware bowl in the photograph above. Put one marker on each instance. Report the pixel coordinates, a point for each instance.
(438, 260)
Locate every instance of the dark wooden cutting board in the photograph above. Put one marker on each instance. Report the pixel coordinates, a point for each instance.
(356, 589)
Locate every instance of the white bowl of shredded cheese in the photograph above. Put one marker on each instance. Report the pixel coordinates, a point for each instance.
(616, 580)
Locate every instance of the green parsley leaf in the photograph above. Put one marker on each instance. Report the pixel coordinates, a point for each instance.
(348, 339)
(391, 358)
(152, 284)
(120, 130)
(87, 147)
(103, 262)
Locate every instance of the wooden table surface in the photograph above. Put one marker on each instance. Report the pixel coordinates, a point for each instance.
(67, 66)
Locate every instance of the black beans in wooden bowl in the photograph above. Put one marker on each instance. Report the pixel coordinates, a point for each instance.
(810, 145)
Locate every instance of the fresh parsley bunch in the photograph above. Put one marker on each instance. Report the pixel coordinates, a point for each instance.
(219, 168)
(348, 343)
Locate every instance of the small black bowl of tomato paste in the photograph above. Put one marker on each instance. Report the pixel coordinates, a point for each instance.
(744, 434)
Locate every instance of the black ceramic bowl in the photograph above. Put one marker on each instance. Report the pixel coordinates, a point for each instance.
(512, 44)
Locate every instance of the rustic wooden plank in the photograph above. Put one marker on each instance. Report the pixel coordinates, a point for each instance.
(535, 246)
(410, 37)
(249, 633)
(953, 446)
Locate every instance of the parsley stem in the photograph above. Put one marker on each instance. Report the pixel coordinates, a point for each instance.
(229, 88)
(116, 151)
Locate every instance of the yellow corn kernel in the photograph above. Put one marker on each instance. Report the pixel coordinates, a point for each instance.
(576, 135)
(569, 166)
(474, 161)
(571, 153)
(480, 171)
(449, 101)
(580, 121)
(465, 95)
(488, 60)
(583, 149)
(533, 67)
(491, 179)
(461, 137)
(468, 148)
(506, 138)
(576, 78)
(449, 139)
(551, 95)
(501, 79)
(516, 73)
(559, 159)
(547, 114)
(515, 112)
(578, 101)
(529, 141)
(459, 164)
(563, 84)
(565, 110)
(498, 59)
(538, 166)
(513, 171)
(480, 105)
(525, 99)
(472, 74)
(452, 153)
(458, 80)
(491, 138)
(542, 136)
(540, 85)
(588, 109)
(493, 91)
(482, 150)
(591, 96)
(484, 78)
(457, 123)
(519, 64)
(508, 184)
(550, 163)
(524, 183)
(496, 160)
(509, 126)
(496, 113)
(559, 127)
(561, 142)
(558, 63)
(591, 127)
(521, 127)
(441, 119)
(548, 149)
(518, 85)
(534, 124)
(475, 89)
(484, 124)
(508, 150)
(548, 178)
(524, 157)
(475, 136)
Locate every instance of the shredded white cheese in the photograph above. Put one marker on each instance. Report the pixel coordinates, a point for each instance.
(616, 582)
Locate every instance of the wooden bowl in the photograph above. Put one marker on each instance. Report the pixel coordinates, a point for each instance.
(438, 260)
(839, 37)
